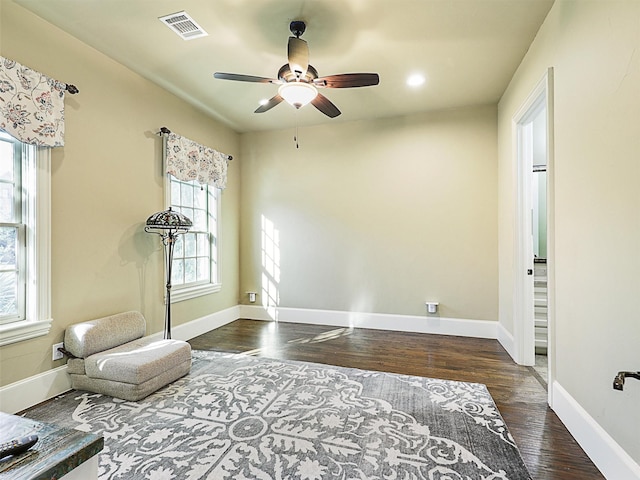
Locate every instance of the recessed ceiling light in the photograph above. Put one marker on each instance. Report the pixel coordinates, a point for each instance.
(415, 80)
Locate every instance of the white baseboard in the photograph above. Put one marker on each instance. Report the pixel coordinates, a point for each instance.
(26, 393)
(201, 325)
(604, 451)
(506, 340)
(377, 321)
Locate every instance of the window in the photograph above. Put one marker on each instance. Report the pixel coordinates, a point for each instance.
(195, 257)
(24, 240)
(12, 253)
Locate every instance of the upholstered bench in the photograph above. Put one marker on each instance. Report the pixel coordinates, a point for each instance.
(112, 356)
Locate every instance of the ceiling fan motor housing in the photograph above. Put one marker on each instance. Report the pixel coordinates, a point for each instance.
(285, 74)
(297, 27)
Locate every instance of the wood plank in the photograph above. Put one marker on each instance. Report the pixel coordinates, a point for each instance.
(547, 448)
(57, 452)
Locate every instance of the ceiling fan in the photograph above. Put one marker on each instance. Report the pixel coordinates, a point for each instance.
(299, 81)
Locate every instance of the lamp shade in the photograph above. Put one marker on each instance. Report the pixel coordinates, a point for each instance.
(298, 94)
(168, 219)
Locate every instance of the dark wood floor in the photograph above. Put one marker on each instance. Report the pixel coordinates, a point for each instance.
(548, 449)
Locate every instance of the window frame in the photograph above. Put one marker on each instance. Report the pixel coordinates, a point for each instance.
(17, 223)
(181, 293)
(36, 208)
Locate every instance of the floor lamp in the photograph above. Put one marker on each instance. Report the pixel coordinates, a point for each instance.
(168, 224)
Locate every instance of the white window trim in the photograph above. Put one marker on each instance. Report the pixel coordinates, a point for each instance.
(180, 294)
(188, 293)
(37, 177)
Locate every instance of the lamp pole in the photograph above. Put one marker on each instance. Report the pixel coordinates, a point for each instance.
(169, 241)
(168, 225)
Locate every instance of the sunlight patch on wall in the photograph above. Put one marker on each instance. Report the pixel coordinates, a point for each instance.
(363, 303)
(270, 267)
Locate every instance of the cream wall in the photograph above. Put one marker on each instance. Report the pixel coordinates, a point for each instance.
(593, 47)
(375, 216)
(105, 182)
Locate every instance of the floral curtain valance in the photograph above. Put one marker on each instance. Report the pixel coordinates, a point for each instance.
(31, 105)
(188, 160)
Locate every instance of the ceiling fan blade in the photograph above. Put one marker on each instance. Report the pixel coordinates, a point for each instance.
(298, 54)
(348, 80)
(273, 101)
(323, 104)
(244, 78)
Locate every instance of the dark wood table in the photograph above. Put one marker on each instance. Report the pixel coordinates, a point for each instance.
(57, 452)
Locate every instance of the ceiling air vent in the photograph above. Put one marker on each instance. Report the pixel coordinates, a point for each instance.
(183, 25)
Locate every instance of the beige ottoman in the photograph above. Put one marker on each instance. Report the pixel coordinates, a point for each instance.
(112, 356)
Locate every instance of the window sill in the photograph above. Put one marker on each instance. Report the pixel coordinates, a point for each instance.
(19, 331)
(194, 292)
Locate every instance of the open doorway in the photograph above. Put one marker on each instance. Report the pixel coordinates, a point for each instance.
(539, 188)
(532, 320)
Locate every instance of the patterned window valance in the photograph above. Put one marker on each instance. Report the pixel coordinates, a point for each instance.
(31, 105)
(188, 160)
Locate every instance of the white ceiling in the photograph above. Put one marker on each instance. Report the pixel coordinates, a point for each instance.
(468, 50)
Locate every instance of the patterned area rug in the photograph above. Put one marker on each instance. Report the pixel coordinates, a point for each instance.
(241, 417)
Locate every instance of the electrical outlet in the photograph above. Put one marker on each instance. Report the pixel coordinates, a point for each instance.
(432, 307)
(57, 355)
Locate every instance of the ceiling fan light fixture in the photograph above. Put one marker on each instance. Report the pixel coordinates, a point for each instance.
(416, 80)
(298, 94)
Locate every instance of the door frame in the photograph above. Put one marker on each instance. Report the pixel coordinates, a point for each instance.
(523, 309)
